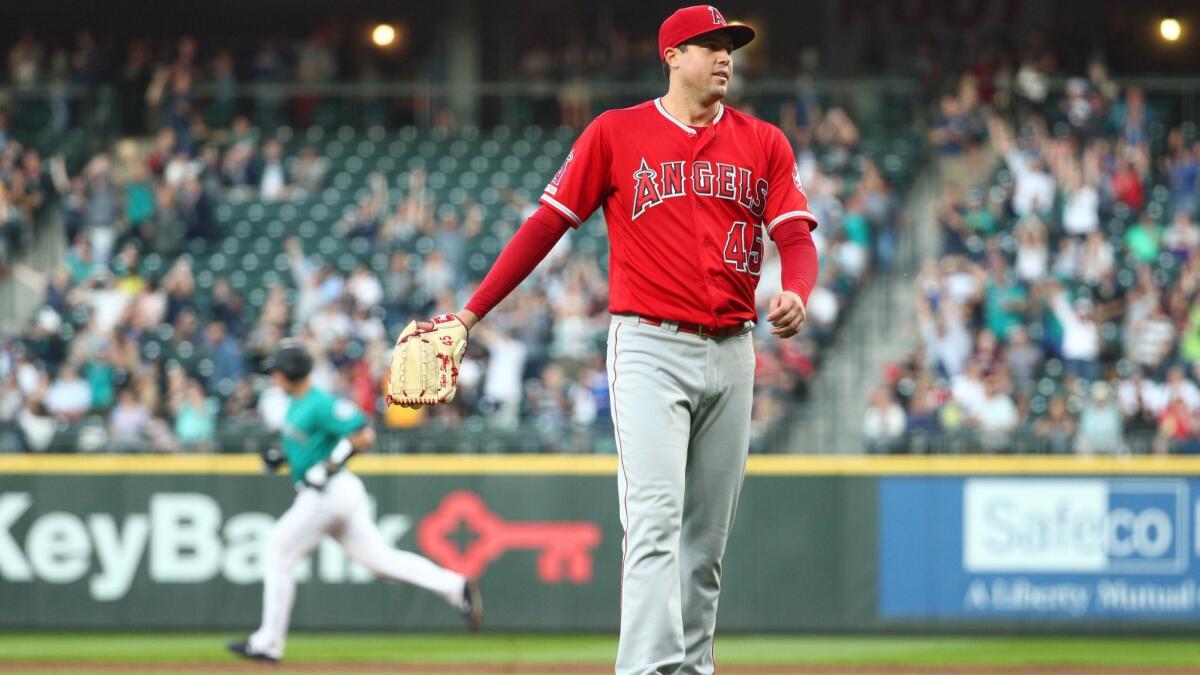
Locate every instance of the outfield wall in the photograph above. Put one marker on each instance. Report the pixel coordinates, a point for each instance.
(820, 543)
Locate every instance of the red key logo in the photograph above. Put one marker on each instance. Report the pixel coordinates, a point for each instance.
(566, 548)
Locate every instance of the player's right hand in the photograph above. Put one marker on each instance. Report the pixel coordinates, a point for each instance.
(316, 476)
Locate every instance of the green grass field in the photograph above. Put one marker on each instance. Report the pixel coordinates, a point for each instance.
(41, 652)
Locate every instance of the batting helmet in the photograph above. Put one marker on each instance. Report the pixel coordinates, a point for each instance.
(291, 359)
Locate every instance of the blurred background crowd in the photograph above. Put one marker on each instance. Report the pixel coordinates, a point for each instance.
(212, 195)
(1061, 314)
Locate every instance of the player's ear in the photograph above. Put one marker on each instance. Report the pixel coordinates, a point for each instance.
(671, 57)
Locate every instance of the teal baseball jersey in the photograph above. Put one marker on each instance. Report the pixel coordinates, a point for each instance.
(315, 423)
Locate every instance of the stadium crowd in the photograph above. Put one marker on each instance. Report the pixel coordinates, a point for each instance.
(1063, 315)
(144, 350)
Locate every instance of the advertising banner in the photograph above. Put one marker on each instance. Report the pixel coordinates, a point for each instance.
(1039, 548)
(184, 550)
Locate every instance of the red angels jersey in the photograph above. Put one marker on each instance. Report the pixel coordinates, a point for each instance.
(686, 208)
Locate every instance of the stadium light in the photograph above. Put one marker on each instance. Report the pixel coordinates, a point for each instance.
(384, 35)
(1170, 29)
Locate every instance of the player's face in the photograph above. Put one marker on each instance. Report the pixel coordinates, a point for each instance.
(706, 66)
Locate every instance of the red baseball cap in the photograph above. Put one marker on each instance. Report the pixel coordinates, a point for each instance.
(689, 22)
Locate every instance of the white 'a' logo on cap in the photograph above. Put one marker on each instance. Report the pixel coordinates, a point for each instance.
(717, 18)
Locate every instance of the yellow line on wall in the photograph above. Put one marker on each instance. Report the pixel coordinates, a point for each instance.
(595, 465)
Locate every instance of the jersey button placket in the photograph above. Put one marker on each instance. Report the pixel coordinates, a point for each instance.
(709, 252)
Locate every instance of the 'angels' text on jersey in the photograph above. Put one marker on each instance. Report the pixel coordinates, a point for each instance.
(687, 209)
(655, 184)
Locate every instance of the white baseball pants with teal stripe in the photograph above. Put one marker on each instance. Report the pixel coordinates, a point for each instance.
(340, 511)
(681, 410)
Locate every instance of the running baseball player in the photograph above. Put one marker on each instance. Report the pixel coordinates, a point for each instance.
(320, 434)
(689, 189)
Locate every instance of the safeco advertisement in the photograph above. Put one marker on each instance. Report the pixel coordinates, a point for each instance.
(1052, 548)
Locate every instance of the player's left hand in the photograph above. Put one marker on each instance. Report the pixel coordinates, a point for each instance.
(316, 476)
(272, 458)
(786, 314)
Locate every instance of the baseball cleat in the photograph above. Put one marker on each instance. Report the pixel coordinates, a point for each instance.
(472, 605)
(244, 650)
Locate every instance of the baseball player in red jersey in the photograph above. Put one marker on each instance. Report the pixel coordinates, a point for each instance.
(689, 190)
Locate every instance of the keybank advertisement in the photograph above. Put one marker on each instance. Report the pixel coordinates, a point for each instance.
(1039, 548)
(185, 551)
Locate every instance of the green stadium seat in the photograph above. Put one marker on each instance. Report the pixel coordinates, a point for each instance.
(217, 263)
(424, 245)
(327, 245)
(366, 148)
(205, 279)
(489, 149)
(250, 262)
(197, 247)
(314, 135)
(534, 180)
(237, 280)
(270, 278)
(164, 332)
(346, 262)
(521, 148)
(1054, 368)
(478, 262)
(342, 181)
(152, 349)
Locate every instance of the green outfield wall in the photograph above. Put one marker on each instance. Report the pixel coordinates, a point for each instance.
(820, 543)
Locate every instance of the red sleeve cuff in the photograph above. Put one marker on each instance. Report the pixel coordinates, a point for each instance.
(798, 255)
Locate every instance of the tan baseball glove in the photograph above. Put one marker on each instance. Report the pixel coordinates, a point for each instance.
(424, 368)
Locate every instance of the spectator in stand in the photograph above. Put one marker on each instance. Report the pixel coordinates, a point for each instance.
(195, 417)
(996, 417)
(945, 334)
(308, 173)
(884, 424)
(1182, 238)
(1151, 341)
(273, 185)
(1024, 359)
(1081, 335)
(1057, 428)
(1035, 187)
(127, 423)
(1177, 429)
(1182, 167)
(1101, 430)
(70, 397)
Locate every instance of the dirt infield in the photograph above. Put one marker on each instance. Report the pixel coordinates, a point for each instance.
(562, 668)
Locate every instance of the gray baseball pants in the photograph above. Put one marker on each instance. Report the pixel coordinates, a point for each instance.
(681, 411)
